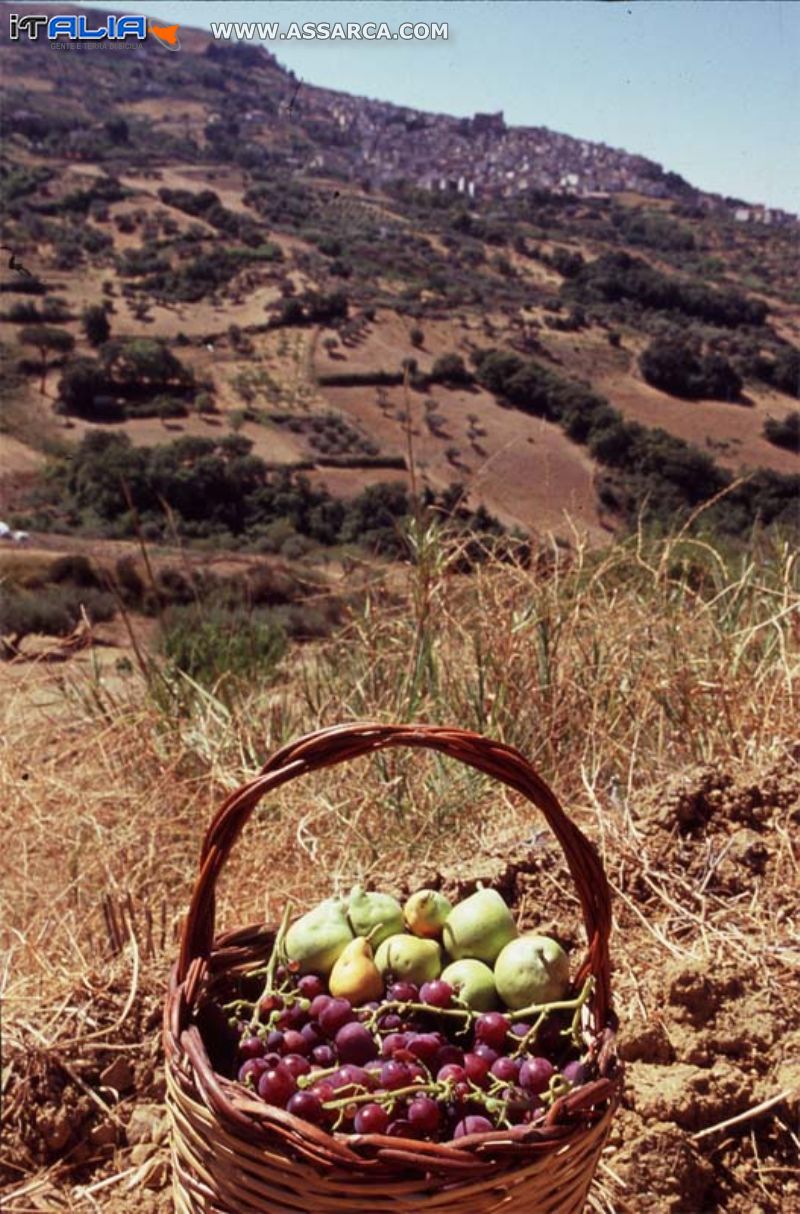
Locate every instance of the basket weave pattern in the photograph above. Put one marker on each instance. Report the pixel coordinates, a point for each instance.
(234, 1154)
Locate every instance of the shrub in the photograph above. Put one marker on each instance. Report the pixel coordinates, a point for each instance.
(211, 644)
(52, 611)
(673, 366)
(96, 325)
(784, 432)
(450, 369)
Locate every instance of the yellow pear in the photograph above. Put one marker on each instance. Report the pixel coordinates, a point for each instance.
(355, 975)
(425, 913)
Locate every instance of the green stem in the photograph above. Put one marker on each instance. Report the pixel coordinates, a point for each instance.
(543, 1010)
(272, 965)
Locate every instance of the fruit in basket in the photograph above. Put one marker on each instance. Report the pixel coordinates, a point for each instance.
(386, 1041)
(473, 982)
(374, 914)
(425, 913)
(409, 958)
(354, 975)
(479, 927)
(531, 970)
(317, 938)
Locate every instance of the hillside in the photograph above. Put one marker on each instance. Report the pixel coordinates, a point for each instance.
(291, 251)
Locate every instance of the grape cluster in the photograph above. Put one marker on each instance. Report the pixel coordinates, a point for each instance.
(417, 1064)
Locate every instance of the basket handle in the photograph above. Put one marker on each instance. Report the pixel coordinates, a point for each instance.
(339, 744)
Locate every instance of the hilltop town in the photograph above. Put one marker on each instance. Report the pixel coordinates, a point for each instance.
(481, 156)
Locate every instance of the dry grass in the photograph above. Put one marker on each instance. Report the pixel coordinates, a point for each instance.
(616, 673)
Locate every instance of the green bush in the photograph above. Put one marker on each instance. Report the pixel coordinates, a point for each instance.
(450, 369)
(52, 611)
(784, 432)
(211, 644)
(672, 365)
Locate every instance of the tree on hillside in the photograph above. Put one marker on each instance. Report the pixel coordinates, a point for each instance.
(47, 340)
(143, 360)
(674, 366)
(784, 432)
(96, 325)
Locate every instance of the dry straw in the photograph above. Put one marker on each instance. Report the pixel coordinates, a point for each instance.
(234, 1154)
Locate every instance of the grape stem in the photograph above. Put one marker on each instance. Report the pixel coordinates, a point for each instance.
(272, 965)
(543, 1010)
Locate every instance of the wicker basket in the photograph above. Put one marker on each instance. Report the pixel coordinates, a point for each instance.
(234, 1154)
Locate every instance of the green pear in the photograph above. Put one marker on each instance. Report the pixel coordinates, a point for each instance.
(355, 975)
(473, 982)
(425, 913)
(479, 927)
(409, 958)
(317, 938)
(531, 969)
(368, 912)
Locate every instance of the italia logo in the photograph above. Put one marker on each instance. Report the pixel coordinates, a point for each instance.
(76, 28)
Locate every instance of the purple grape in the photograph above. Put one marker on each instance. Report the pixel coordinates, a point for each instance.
(318, 1004)
(486, 1052)
(506, 1069)
(306, 1105)
(451, 1071)
(371, 1119)
(395, 1075)
(425, 1046)
(424, 1114)
(373, 1072)
(355, 1044)
(393, 1042)
(535, 1074)
(254, 1067)
(270, 1003)
(492, 1028)
(274, 1042)
(276, 1087)
(271, 1060)
(401, 1128)
(295, 1016)
(477, 1068)
(337, 1013)
(296, 1064)
(436, 993)
(403, 992)
(311, 985)
(390, 1022)
(575, 1073)
(348, 1079)
(472, 1125)
(294, 1042)
(520, 1029)
(251, 1047)
(324, 1090)
(324, 1055)
(312, 1034)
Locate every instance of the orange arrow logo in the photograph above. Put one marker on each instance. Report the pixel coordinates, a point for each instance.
(167, 35)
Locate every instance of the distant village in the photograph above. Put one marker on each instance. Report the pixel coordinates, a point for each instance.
(481, 157)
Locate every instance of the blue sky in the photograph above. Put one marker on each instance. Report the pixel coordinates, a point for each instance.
(709, 88)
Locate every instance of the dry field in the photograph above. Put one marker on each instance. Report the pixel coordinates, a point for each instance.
(654, 686)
